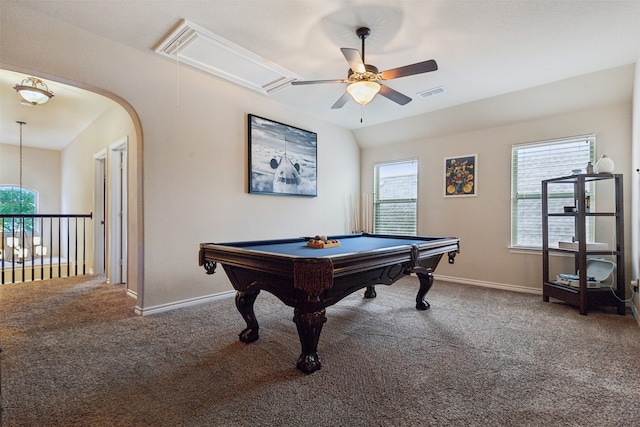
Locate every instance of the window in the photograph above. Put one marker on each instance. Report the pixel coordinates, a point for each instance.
(395, 198)
(18, 200)
(533, 162)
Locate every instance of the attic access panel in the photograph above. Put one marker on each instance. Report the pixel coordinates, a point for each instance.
(215, 55)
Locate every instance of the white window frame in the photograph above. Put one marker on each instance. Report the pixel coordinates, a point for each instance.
(545, 161)
(404, 199)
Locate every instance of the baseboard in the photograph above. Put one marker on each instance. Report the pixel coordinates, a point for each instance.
(183, 304)
(494, 285)
(228, 294)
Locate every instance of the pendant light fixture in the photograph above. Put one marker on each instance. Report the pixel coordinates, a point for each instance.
(19, 253)
(26, 237)
(21, 124)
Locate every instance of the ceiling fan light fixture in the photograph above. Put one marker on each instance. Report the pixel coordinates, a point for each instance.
(34, 91)
(364, 91)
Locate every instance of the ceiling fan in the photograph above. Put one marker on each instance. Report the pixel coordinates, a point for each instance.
(364, 79)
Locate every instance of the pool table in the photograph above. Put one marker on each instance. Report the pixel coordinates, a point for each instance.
(312, 279)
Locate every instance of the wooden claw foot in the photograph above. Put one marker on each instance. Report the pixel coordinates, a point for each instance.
(249, 335)
(308, 363)
(422, 305)
(309, 326)
(244, 304)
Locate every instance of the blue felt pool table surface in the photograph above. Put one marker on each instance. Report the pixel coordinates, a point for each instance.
(348, 244)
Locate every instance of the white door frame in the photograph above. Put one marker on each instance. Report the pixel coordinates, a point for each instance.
(117, 230)
(99, 212)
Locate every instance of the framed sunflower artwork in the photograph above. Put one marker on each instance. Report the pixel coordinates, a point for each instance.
(461, 176)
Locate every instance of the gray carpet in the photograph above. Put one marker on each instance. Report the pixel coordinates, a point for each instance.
(74, 354)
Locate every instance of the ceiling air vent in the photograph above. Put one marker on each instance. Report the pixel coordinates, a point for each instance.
(431, 92)
(213, 54)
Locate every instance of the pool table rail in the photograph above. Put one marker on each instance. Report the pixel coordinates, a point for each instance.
(244, 254)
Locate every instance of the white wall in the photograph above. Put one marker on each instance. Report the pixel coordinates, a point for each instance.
(483, 222)
(189, 170)
(77, 167)
(196, 183)
(40, 172)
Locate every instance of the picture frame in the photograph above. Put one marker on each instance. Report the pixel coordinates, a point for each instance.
(461, 176)
(282, 158)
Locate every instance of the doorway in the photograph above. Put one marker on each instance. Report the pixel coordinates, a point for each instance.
(117, 227)
(99, 212)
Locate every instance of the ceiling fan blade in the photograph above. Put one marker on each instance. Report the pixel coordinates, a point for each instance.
(354, 59)
(394, 95)
(340, 102)
(409, 70)
(314, 82)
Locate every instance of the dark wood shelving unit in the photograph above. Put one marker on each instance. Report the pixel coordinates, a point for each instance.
(582, 296)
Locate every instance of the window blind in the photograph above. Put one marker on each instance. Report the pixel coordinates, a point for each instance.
(534, 162)
(395, 198)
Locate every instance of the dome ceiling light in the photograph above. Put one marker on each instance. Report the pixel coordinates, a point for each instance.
(34, 91)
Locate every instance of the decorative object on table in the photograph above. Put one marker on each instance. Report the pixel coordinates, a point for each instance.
(589, 167)
(282, 158)
(321, 242)
(605, 164)
(461, 176)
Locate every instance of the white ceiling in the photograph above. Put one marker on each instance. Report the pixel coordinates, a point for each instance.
(52, 125)
(484, 48)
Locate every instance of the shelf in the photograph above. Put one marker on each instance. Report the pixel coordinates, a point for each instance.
(571, 214)
(581, 296)
(588, 252)
(573, 296)
(570, 179)
(575, 289)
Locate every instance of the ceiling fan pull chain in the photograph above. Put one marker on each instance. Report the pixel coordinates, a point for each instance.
(361, 112)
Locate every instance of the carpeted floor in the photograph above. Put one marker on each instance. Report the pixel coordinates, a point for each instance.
(74, 354)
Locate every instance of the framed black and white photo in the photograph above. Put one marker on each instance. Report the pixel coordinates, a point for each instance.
(282, 158)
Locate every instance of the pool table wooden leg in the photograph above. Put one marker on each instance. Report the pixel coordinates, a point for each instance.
(309, 326)
(244, 304)
(426, 281)
(370, 292)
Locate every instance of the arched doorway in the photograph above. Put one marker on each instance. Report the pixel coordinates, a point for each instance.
(88, 130)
